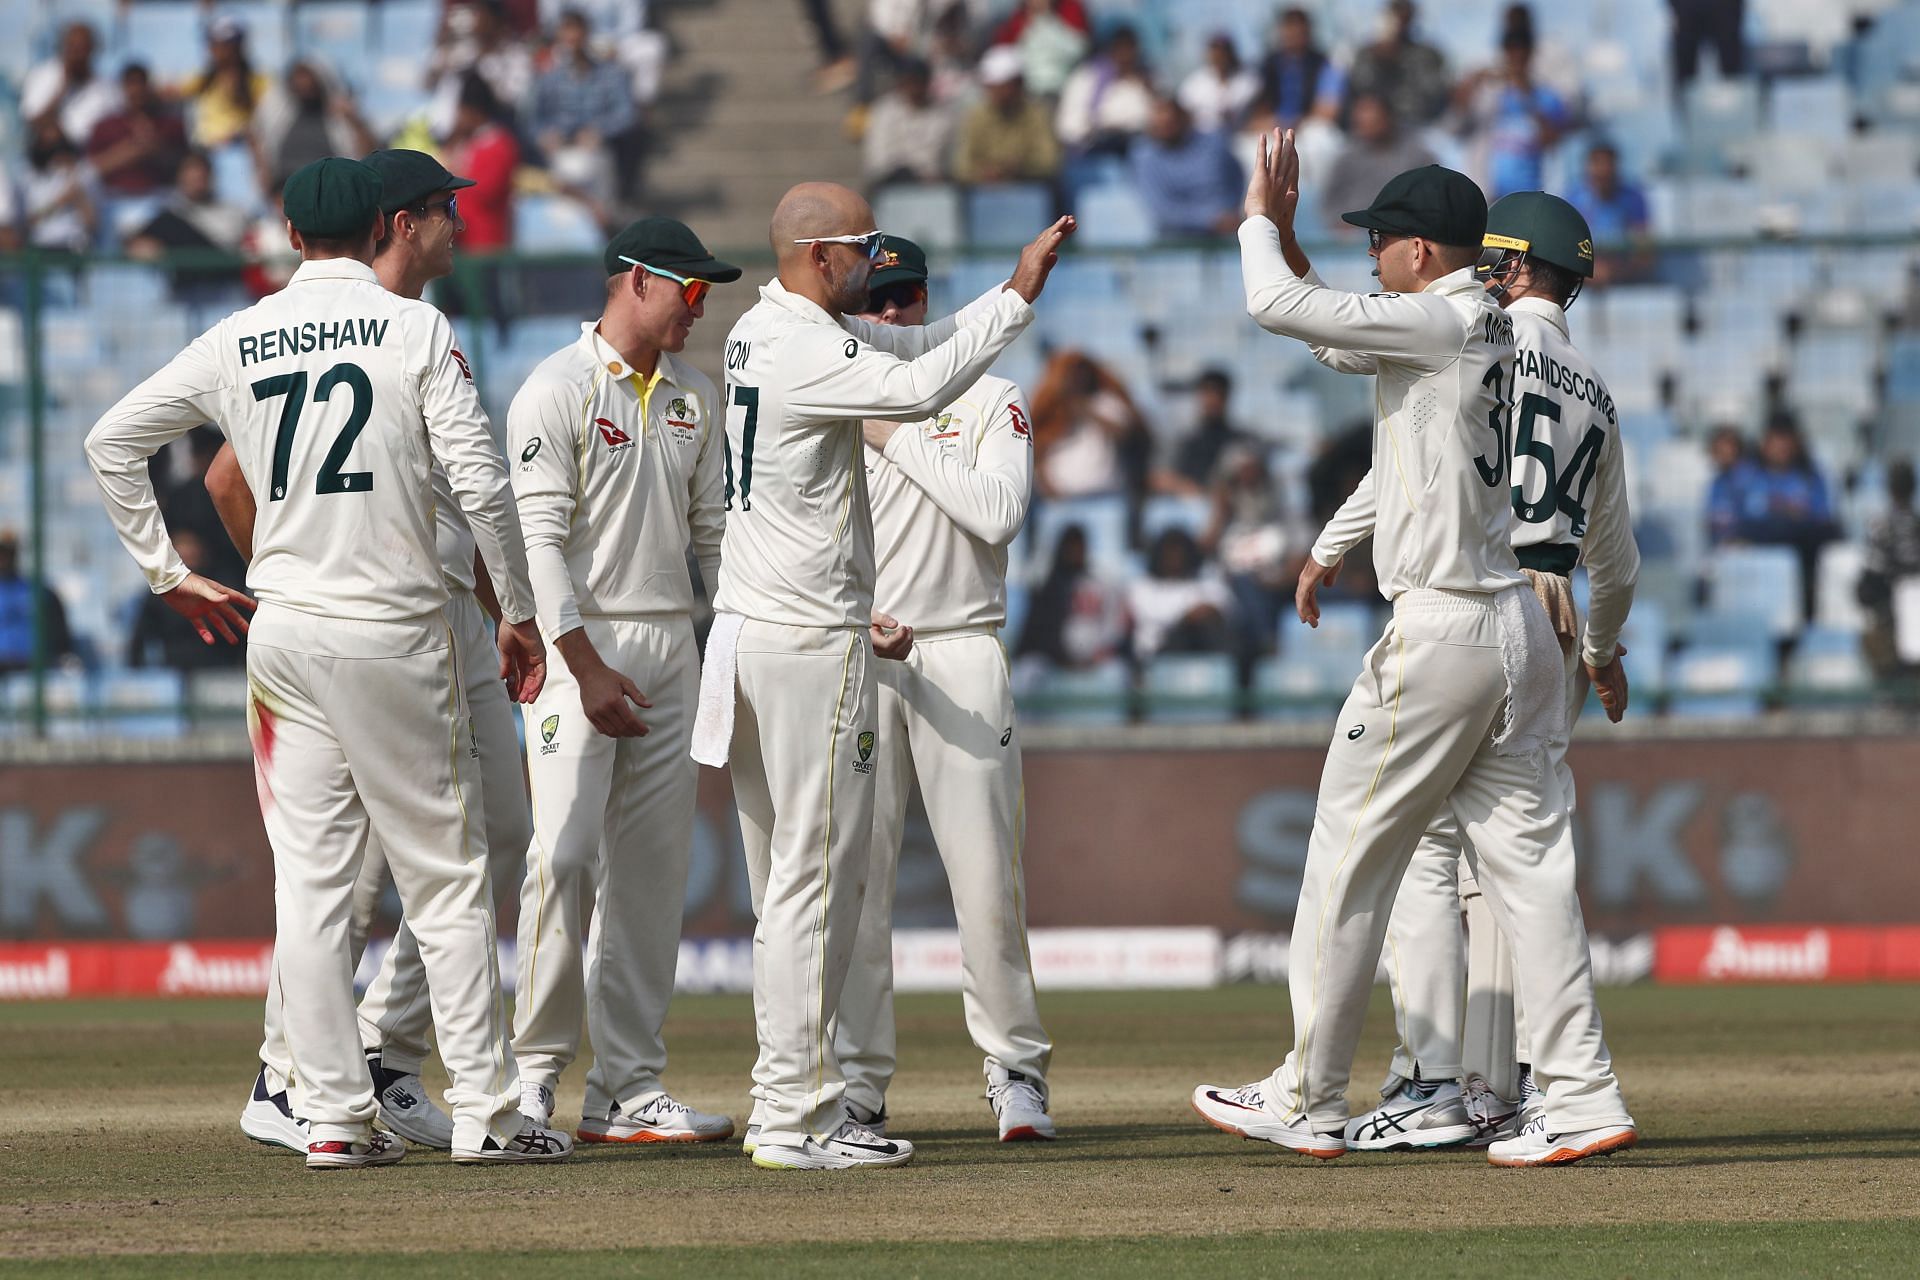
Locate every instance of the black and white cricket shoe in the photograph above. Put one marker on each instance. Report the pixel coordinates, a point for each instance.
(1494, 1117)
(407, 1108)
(849, 1147)
(534, 1144)
(1413, 1115)
(268, 1117)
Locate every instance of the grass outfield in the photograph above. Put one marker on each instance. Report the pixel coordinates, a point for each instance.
(1781, 1136)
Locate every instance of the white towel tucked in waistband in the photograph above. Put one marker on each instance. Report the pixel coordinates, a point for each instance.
(713, 722)
(1536, 680)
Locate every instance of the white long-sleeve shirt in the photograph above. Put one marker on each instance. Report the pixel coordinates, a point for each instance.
(615, 472)
(1442, 361)
(338, 396)
(948, 495)
(799, 542)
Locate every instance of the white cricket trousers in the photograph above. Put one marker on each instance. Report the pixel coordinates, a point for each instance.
(1454, 1008)
(612, 832)
(1416, 734)
(396, 1014)
(360, 728)
(946, 714)
(803, 756)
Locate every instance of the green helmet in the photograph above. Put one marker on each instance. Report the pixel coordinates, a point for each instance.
(1541, 226)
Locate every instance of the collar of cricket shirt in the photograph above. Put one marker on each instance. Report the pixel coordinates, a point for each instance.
(605, 357)
(333, 269)
(1455, 282)
(1552, 312)
(778, 294)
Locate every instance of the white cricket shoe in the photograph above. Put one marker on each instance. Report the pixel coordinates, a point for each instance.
(876, 1121)
(1494, 1117)
(1243, 1112)
(1413, 1115)
(1019, 1106)
(659, 1119)
(536, 1102)
(268, 1117)
(534, 1144)
(370, 1152)
(849, 1147)
(1536, 1146)
(750, 1143)
(407, 1108)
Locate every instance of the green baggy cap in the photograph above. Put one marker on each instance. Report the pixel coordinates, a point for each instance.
(408, 177)
(1433, 202)
(668, 244)
(900, 260)
(332, 197)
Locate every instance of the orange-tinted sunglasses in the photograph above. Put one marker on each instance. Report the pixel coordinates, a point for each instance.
(692, 288)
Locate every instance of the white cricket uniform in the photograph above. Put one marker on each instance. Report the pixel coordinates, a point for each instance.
(1569, 498)
(338, 396)
(795, 600)
(948, 495)
(1430, 722)
(615, 471)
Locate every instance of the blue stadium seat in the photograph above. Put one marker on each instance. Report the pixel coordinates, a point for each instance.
(1294, 689)
(335, 32)
(930, 216)
(1103, 518)
(406, 24)
(1762, 583)
(1008, 215)
(1720, 683)
(1113, 217)
(1820, 106)
(554, 224)
(235, 179)
(1095, 697)
(1189, 688)
(1337, 648)
(1828, 666)
(1165, 511)
(142, 704)
(165, 37)
(1836, 607)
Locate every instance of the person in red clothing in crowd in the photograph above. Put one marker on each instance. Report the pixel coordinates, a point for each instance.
(482, 147)
(137, 149)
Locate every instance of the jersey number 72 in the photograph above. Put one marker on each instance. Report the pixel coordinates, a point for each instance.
(294, 387)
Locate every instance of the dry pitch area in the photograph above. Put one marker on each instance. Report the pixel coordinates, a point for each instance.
(1782, 1136)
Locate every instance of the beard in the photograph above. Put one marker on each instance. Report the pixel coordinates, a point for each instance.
(850, 292)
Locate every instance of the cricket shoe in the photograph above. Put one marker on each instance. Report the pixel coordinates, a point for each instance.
(751, 1142)
(876, 1121)
(1243, 1112)
(268, 1118)
(1413, 1115)
(406, 1108)
(1494, 1118)
(1019, 1106)
(849, 1147)
(1536, 1146)
(534, 1144)
(658, 1119)
(375, 1149)
(536, 1102)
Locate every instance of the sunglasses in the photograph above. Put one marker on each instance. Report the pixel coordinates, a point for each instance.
(867, 242)
(450, 206)
(903, 295)
(1378, 239)
(692, 288)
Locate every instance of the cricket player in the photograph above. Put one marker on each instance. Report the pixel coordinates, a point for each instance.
(420, 205)
(617, 462)
(788, 679)
(1569, 497)
(948, 495)
(1460, 697)
(338, 396)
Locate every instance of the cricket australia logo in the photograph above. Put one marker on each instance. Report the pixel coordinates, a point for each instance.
(863, 747)
(548, 727)
(683, 421)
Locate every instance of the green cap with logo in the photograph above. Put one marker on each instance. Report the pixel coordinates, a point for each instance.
(408, 177)
(1541, 226)
(901, 261)
(668, 244)
(1432, 202)
(332, 197)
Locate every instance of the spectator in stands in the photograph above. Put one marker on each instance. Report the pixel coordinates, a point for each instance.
(66, 90)
(837, 68)
(476, 39)
(1892, 555)
(228, 89)
(483, 148)
(1733, 479)
(1052, 38)
(1781, 500)
(1196, 456)
(10, 240)
(1218, 92)
(909, 133)
(1509, 118)
(893, 33)
(136, 150)
(1335, 472)
(1182, 605)
(1375, 151)
(1298, 81)
(1617, 214)
(953, 57)
(1698, 24)
(1108, 100)
(1187, 178)
(1410, 75)
(163, 638)
(194, 218)
(308, 116)
(271, 261)
(1256, 544)
(16, 612)
(1078, 619)
(1008, 136)
(579, 105)
(60, 201)
(1088, 438)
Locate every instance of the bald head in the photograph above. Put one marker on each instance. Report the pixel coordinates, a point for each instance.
(834, 276)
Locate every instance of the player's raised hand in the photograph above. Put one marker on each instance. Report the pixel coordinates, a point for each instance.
(891, 638)
(211, 608)
(1273, 187)
(1306, 593)
(609, 699)
(1037, 259)
(1610, 682)
(523, 659)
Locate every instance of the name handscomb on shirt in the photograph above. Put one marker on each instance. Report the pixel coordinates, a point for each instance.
(314, 335)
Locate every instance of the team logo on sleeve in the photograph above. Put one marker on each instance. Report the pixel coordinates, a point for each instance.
(459, 358)
(1020, 426)
(614, 436)
(548, 727)
(863, 747)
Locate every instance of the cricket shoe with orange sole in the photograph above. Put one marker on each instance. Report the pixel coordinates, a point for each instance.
(1537, 1146)
(659, 1118)
(1243, 1113)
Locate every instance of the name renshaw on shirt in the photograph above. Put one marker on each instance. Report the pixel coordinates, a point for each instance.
(322, 335)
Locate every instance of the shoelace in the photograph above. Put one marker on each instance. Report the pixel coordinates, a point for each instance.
(1017, 1093)
(667, 1105)
(1535, 1123)
(1247, 1095)
(851, 1132)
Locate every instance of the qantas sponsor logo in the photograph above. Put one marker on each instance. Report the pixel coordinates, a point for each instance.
(614, 436)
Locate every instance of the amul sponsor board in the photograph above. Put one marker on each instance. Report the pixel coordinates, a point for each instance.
(1670, 833)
